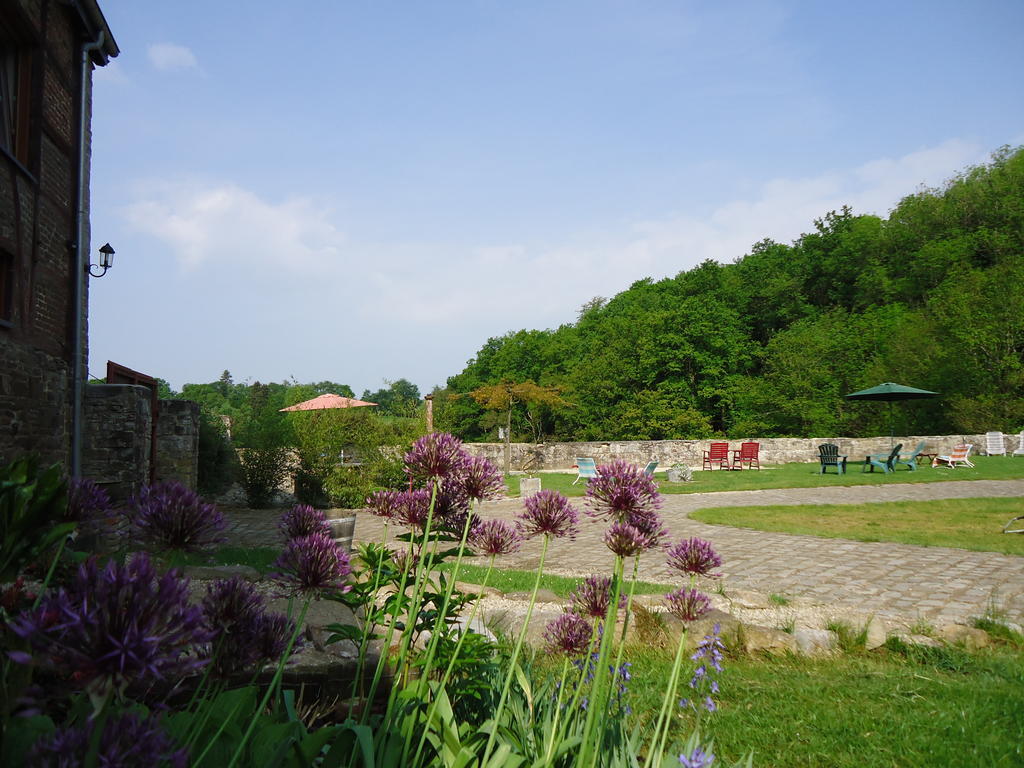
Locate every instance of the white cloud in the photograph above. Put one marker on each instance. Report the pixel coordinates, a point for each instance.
(168, 57)
(112, 72)
(216, 222)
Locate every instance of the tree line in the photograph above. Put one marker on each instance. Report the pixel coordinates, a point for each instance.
(931, 296)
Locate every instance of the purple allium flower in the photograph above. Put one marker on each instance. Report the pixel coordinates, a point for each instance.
(569, 634)
(482, 480)
(412, 508)
(696, 759)
(688, 604)
(86, 500)
(650, 524)
(172, 516)
(127, 742)
(313, 564)
(244, 633)
(620, 489)
(451, 507)
(625, 540)
(549, 513)
(302, 520)
(495, 537)
(384, 503)
(113, 626)
(436, 456)
(693, 556)
(593, 596)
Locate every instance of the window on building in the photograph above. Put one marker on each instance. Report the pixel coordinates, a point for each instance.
(15, 101)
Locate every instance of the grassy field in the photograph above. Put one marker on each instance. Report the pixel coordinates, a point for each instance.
(964, 523)
(897, 706)
(800, 475)
(522, 581)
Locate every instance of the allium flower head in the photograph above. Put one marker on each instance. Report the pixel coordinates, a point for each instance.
(625, 540)
(384, 503)
(688, 604)
(495, 537)
(86, 500)
(173, 516)
(412, 508)
(698, 758)
(593, 596)
(127, 742)
(548, 513)
(570, 634)
(451, 507)
(313, 564)
(244, 634)
(302, 520)
(693, 556)
(436, 456)
(481, 480)
(650, 524)
(620, 489)
(113, 626)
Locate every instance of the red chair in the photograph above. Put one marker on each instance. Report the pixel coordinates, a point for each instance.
(719, 454)
(747, 454)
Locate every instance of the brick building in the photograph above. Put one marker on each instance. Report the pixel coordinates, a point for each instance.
(48, 49)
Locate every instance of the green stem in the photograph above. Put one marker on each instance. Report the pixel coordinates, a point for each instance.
(553, 738)
(49, 572)
(598, 708)
(435, 637)
(515, 653)
(364, 641)
(657, 742)
(451, 661)
(273, 683)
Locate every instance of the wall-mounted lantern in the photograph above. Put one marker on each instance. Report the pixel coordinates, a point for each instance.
(106, 260)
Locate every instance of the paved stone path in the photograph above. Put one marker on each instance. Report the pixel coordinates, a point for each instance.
(896, 581)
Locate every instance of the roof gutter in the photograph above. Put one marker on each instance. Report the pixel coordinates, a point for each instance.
(80, 261)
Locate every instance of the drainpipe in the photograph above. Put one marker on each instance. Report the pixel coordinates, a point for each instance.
(81, 261)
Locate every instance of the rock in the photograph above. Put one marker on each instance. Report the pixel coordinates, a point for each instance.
(543, 596)
(971, 638)
(875, 634)
(815, 642)
(931, 642)
(216, 572)
(765, 640)
(728, 630)
(750, 600)
(476, 589)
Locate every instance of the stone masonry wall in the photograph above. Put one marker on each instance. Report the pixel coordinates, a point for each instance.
(116, 438)
(774, 450)
(177, 442)
(34, 413)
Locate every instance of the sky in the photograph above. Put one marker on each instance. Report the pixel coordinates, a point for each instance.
(361, 192)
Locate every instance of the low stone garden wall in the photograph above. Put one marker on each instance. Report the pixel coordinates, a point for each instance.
(774, 450)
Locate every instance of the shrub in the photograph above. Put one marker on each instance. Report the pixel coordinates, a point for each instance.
(172, 516)
(263, 472)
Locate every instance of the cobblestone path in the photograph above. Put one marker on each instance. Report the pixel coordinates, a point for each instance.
(896, 581)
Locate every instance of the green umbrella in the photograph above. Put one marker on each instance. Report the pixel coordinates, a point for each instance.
(889, 393)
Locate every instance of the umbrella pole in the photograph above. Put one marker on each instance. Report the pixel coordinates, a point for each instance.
(892, 433)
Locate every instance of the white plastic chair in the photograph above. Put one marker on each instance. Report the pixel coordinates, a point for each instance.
(995, 444)
(1020, 445)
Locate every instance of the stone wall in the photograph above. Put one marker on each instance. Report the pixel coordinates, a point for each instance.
(116, 439)
(774, 450)
(177, 442)
(34, 404)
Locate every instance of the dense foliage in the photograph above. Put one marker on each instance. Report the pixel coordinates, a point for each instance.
(930, 296)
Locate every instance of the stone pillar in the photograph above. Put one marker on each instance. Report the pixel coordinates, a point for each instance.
(177, 442)
(430, 413)
(116, 438)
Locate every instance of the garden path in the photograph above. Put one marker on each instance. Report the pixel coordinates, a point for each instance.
(895, 581)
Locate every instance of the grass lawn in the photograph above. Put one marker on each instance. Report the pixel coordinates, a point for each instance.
(800, 475)
(898, 706)
(963, 523)
(260, 558)
(522, 581)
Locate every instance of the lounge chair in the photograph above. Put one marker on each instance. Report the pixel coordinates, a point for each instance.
(1013, 526)
(995, 444)
(1020, 446)
(958, 455)
(911, 460)
(828, 455)
(649, 469)
(586, 468)
(747, 454)
(884, 461)
(719, 454)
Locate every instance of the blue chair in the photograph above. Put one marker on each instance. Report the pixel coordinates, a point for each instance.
(884, 461)
(585, 469)
(911, 460)
(649, 469)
